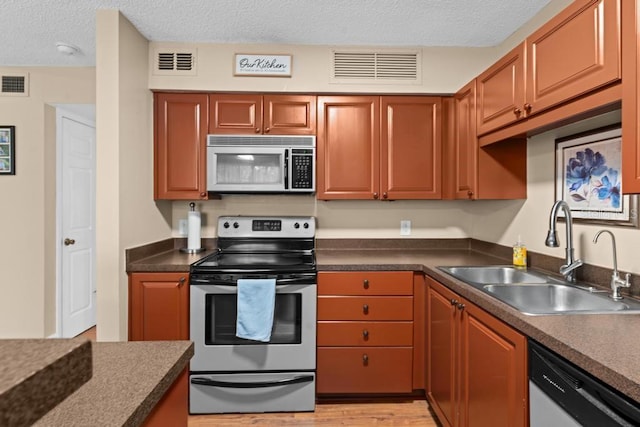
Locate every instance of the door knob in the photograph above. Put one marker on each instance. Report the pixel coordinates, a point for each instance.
(69, 241)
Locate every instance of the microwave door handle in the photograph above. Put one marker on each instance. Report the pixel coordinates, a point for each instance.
(286, 169)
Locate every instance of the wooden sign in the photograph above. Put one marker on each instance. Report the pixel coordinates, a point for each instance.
(262, 65)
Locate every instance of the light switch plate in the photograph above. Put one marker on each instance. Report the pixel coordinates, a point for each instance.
(405, 227)
(183, 227)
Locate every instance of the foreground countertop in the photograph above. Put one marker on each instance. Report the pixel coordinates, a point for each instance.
(38, 374)
(129, 379)
(602, 344)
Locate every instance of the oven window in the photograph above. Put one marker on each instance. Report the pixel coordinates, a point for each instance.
(220, 320)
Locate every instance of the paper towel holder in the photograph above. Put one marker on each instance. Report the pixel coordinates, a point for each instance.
(192, 251)
(189, 250)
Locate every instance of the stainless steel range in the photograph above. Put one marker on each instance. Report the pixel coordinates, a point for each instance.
(253, 373)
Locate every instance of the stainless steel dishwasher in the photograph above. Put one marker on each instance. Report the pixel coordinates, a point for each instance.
(561, 394)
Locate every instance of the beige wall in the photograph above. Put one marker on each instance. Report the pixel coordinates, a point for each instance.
(126, 213)
(28, 198)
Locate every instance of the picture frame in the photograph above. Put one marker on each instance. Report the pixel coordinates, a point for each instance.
(588, 176)
(7, 150)
(260, 65)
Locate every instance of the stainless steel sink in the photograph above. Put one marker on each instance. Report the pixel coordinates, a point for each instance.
(535, 293)
(556, 299)
(498, 274)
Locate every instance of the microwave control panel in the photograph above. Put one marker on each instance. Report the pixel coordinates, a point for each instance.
(302, 169)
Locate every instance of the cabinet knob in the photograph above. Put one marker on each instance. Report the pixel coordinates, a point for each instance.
(203, 194)
(460, 306)
(517, 111)
(375, 196)
(527, 107)
(385, 195)
(469, 193)
(365, 359)
(365, 334)
(266, 130)
(454, 301)
(365, 284)
(365, 309)
(181, 281)
(257, 130)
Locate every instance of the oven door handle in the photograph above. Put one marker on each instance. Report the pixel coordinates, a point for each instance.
(258, 384)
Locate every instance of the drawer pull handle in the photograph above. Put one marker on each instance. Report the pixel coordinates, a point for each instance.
(365, 309)
(365, 359)
(365, 283)
(365, 334)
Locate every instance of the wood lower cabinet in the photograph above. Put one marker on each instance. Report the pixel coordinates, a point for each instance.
(180, 146)
(476, 365)
(379, 148)
(262, 114)
(158, 306)
(366, 333)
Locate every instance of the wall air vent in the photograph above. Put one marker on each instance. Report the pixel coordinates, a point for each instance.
(174, 63)
(399, 67)
(15, 85)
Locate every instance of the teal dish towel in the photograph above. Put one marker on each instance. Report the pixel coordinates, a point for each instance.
(256, 304)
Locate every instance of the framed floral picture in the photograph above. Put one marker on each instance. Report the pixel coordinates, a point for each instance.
(589, 178)
(7, 150)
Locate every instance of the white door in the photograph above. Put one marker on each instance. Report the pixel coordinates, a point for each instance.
(77, 232)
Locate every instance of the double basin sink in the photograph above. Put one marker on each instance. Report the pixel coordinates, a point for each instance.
(535, 293)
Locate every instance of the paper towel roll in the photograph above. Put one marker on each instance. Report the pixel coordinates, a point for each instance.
(193, 238)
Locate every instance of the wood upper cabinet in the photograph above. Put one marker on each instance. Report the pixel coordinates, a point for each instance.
(158, 306)
(386, 148)
(462, 144)
(180, 132)
(477, 371)
(575, 53)
(262, 114)
(631, 97)
(501, 92)
(348, 147)
(411, 147)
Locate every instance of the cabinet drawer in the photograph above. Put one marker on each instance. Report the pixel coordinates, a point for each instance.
(364, 370)
(365, 283)
(335, 334)
(365, 308)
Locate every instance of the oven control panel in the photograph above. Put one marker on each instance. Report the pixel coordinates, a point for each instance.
(278, 227)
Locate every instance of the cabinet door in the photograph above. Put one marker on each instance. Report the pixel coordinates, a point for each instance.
(631, 97)
(575, 52)
(348, 147)
(158, 306)
(180, 146)
(493, 376)
(501, 94)
(441, 352)
(235, 114)
(289, 115)
(410, 147)
(465, 143)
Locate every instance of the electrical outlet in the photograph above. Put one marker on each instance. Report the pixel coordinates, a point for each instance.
(183, 227)
(405, 227)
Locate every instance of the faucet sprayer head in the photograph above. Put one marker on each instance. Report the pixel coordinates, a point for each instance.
(552, 239)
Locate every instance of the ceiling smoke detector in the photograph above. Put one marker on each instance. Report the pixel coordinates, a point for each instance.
(67, 49)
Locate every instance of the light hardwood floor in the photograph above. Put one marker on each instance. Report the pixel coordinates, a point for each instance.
(355, 414)
(401, 413)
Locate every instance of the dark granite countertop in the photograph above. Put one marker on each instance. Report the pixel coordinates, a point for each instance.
(38, 374)
(602, 344)
(129, 379)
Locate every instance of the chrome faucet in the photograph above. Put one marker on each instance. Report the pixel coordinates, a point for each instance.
(568, 270)
(616, 281)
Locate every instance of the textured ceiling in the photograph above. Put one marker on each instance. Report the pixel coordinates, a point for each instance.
(31, 28)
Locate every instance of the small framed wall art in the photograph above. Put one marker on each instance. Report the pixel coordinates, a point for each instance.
(262, 65)
(7, 150)
(589, 179)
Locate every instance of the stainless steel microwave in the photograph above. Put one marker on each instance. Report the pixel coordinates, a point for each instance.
(261, 164)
